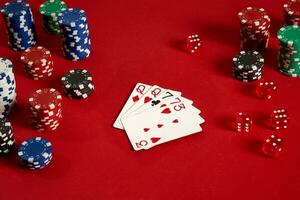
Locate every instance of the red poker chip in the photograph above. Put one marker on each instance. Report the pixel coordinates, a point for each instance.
(253, 16)
(48, 64)
(46, 118)
(46, 98)
(36, 55)
(292, 8)
(39, 73)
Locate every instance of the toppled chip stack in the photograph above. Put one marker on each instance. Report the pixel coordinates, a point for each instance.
(76, 43)
(6, 136)
(291, 12)
(78, 83)
(38, 62)
(35, 153)
(46, 109)
(289, 51)
(254, 29)
(7, 86)
(49, 11)
(247, 66)
(20, 25)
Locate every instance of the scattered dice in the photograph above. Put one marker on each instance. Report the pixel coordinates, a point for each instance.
(279, 119)
(242, 122)
(265, 89)
(272, 146)
(193, 43)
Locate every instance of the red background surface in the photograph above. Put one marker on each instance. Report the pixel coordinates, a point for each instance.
(141, 41)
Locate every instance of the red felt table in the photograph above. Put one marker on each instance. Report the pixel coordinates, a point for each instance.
(141, 41)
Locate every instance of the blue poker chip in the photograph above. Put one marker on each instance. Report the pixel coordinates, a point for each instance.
(34, 150)
(20, 25)
(72, 17)
(14, 8)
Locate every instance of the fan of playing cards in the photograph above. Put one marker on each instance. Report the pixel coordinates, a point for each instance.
(153, 115)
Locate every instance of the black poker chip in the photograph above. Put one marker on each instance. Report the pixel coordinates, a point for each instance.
(6, 136)
(78, 83)
(247, 66)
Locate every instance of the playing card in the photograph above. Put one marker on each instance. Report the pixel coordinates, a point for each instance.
(173, 119)
(139, 90)
(152, 93)
(163, 96)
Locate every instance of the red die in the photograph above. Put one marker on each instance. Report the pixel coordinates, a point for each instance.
(265, 89)
(242, 122)
(272, 146)
(279, 119)
(193, 43)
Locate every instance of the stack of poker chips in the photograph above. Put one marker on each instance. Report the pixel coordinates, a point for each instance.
(35, 153)
(45, 106)
(76, 43)
(77, 83)
(254, 29)
(6, 136)
(291, 12)
(20, 25)
(7, 86)
(289, 51)
(38, 62)
(247, 66)
(49, 11)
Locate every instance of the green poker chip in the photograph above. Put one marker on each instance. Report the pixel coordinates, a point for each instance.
(289, 51)
(52, 8)
(49, 11)
(289, 35)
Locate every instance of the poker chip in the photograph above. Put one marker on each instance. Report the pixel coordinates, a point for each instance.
(247, 66)
(76, 43)
(19, 25)
(7, 86)
(49, 11)
(46, 109)
(35, 153)
(38, 62)
(78, 83)
(289, 51)
(291, 12)
(254, 29)
(6, 136)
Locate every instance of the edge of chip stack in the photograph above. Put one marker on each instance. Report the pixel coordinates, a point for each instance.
(289, 51)
(76, 43)
(19, 25)
(7, 140)
(38, 62)
(78, 83)
(46, 109)
(35, 153)
(291, 12)
(247, 66)
(7, 86)
(49, 11)
(254, 29)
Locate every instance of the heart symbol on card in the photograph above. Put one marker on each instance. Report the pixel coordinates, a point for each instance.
(146, 129)
(147, 99)
(155, 139)
(175, 121)
(159, 125)
(163, 105)
(166, 111)
(135, 98)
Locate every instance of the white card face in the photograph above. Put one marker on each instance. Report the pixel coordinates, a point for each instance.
(139, 90)
(163, 96)
(171, 120)
(152, 93)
